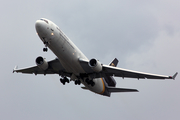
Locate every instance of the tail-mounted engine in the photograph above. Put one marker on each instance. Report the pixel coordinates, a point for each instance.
(95, 65)
(41, 63)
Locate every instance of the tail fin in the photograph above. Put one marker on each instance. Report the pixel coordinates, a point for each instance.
(114, 62)
(109, 79)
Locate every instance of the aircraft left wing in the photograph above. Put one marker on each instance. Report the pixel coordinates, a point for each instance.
(54, 67)
(120, 72)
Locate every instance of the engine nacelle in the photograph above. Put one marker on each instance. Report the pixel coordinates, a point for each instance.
(95, 65)
(41, 63)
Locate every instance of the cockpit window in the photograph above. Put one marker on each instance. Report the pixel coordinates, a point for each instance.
(44, 20)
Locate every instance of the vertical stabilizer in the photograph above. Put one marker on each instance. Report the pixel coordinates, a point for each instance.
(109, 79)
(114, 62)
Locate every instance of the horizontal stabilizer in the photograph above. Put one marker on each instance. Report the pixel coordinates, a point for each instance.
(113, 89)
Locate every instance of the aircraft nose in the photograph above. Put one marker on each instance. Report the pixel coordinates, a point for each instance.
(40, 26)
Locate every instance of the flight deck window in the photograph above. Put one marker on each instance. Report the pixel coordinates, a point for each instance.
(44, 20)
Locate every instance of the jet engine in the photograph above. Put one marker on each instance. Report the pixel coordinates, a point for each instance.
(95, 65)
(41, 63)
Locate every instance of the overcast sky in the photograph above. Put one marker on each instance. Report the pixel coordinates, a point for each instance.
(144, 36)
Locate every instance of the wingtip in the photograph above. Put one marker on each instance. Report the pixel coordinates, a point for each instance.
(15, 68)
(137, 90)
(174, 76)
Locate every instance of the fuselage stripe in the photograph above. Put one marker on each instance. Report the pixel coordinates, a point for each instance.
(103, 87)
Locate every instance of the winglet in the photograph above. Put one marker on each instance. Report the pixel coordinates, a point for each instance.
(174, 76)
(15, 68)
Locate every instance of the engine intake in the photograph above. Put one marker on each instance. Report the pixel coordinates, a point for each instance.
(41, 63)
(95, 65)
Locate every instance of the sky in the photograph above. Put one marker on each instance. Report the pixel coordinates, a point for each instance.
(142, 35)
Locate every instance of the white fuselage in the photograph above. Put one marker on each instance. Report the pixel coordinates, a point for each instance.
(67, 52)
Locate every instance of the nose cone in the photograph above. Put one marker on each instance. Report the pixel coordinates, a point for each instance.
(40, 26)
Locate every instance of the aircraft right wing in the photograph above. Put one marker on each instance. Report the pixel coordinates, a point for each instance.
(54, 67)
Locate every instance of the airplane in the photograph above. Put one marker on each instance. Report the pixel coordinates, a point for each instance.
(72, 65)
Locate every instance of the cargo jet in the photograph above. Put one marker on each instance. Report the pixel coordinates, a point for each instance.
(72, 65)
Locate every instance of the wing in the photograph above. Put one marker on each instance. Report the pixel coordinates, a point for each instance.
(120, 72)
(55, 67)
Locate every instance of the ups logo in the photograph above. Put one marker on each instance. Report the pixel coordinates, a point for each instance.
(112, 64)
